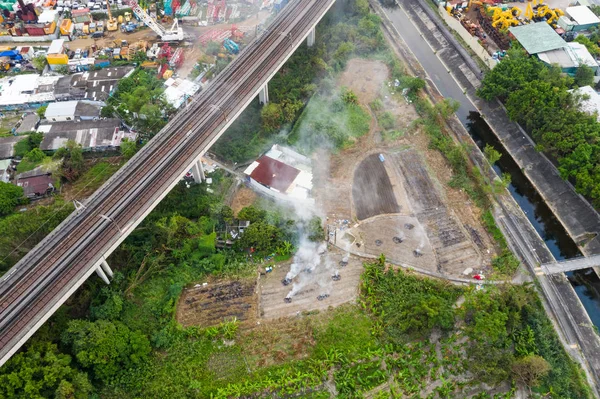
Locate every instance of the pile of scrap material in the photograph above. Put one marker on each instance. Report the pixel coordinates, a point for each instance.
(500, 38)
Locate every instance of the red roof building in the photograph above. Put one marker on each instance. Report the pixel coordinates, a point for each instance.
(36, 186)
(273, 174)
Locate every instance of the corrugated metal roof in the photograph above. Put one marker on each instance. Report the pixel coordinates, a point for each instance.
(61, 109)
(56, 46)
(582, 15)
(537, 37)
(274, 174)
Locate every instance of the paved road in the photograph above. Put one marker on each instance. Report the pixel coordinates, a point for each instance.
(436, 70)
(407, 27)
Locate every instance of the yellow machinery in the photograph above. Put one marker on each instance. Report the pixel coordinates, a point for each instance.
(503, 19)
(127, 16)
(120, 19)
(111, 25)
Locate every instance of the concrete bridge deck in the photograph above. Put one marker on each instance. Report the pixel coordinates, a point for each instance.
(583, 262)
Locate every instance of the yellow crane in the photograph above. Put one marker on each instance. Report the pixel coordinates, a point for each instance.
(111, 25)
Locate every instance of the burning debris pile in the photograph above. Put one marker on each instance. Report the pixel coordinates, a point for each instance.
(336, 276)
(344, 261)
(312, 265)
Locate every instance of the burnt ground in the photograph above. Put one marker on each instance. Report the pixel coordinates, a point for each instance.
(372, 190)
(218, 301)
(273, 292)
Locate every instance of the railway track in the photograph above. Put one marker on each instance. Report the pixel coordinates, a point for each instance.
(43, 277)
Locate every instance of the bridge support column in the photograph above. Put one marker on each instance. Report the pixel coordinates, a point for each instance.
(106, 268)
(263, 94)
(100, 273)
(310, 40)
(198, 172)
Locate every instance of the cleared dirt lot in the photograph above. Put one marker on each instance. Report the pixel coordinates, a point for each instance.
(372, 190)
(411, 183)
(311, 285)
(211, 304)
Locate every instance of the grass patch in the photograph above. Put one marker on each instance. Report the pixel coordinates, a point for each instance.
(328, 119)
(95, 176)
(506, 263)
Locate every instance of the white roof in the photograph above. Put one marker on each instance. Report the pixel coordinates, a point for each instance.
(591, 103)
(178, 89)
(48, 16)
(44, 128)
(251, 168)
(61, 109)
(56, 46)
(582, 15)
(572, 55)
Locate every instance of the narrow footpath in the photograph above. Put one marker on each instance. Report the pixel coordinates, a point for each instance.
(428, 51)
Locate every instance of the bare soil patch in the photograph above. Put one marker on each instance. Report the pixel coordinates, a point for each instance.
(364, 78)
(372, 190)
(243, 197)
(211, 304)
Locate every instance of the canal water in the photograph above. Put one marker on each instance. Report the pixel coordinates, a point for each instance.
(585, 282)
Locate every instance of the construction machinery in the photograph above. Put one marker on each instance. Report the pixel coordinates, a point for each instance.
(111, 24)
(127, 16)
(174, 33)
(129, 27)
(231, 46)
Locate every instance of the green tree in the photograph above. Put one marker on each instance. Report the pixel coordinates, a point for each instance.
(30, 142)
(530, 369)
(584, 76)
(107, 111)
(41, 111)
(42, 372)
(72, 164)
(349, 97)
(261, 236)
(39, 62)
(316, 232)
(272, 116)
(590, 45)
(106, 347)
(128, 148)
(10, 196)
(491, 154)
(252, 214)
(62, 69)
(35, 155)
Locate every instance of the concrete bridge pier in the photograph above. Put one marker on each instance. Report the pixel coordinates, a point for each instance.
(101, 274)
(106, 268)
(263, 94)
(310, 39)
(198, 172)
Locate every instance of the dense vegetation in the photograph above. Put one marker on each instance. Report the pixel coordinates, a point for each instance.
(139, 102)
(538, 97)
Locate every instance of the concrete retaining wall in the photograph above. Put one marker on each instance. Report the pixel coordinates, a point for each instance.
(471, 41)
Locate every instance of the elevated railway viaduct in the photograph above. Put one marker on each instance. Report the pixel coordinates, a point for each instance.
(42, 281)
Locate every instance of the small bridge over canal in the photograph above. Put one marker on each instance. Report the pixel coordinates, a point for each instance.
(583, 262)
